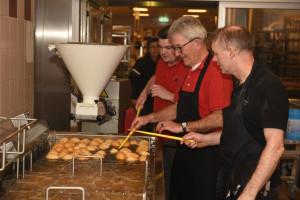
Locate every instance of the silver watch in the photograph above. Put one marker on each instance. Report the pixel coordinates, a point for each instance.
(183, 125)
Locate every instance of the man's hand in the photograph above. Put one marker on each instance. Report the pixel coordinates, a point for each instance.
(138, 122)
(141, 100)
(161, 92)
(170, 126)
(201, 140)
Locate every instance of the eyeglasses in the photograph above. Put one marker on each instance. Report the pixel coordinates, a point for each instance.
(179, 48)
(165, 47)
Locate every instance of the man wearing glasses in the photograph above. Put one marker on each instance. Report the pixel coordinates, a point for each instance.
(201, 98)
(162, 86)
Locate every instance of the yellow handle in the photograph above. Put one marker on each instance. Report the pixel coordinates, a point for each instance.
(165, 136)
(138, 111)
(128, 136)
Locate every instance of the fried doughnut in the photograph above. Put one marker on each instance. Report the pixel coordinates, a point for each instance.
(52, 156)
(70, 149)
(114, 151)
(144, 142)
(104, 146)
(132, 155)
(115, 143)
(120, 156)
(131, 159)
(140, 149)
(76, 153)
(126, 144)
(85, 154)
(94, 143)
(144, 153)
(68, 157)
(91, 148)
(62, 154)
(58, 149)
(84, 150)
(82, 144)
(120, 140)
(142, 158)
(100, 140)
(69, 144)
(64, 139)
(98, 154)
(82, 158)
(75, 139)
(59, 144)
(85, 140)
(53, 151)
(146, 147)
(101, 152)
(125, 150)
(133, 142)
(108, 141)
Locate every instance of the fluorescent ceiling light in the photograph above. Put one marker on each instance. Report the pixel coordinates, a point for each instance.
(142, 14)
(196, 16)
(197, 11)
(140, 9)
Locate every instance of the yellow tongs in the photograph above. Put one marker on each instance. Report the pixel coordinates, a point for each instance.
(165, 136)
(132, 131)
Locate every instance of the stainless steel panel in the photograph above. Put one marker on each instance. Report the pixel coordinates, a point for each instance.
(53, 21)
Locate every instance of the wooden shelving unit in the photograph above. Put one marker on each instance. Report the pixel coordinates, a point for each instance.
(279, 50)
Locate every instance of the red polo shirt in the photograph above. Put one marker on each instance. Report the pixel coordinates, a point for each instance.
(215, 89)
(169, 78)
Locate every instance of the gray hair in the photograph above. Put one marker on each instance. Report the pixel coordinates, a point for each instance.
(189, 27)
(237, 36)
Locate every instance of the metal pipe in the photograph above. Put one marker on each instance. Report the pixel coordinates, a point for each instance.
(65, 188)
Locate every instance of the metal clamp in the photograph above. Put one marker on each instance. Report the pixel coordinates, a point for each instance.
(83, 156)
(65, 188)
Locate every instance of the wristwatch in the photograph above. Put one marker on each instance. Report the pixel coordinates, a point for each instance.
(183, 125)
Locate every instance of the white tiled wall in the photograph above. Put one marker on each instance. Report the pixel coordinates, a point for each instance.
(16, 72)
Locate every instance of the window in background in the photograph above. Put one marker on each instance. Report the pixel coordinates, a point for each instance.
(276, 35)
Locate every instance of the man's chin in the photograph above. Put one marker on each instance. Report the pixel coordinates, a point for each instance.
(165, 59)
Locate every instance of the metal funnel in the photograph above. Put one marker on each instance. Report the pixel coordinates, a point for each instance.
(91, 65)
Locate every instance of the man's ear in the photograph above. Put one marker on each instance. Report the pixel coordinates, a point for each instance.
(232, 51)
(199, 43)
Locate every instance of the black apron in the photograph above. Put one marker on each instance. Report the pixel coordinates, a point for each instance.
(194, 171)
(240, 151)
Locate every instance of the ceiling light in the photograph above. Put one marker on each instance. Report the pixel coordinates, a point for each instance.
(142, 14)
(140, 9)
(197, 10)
(196, 16)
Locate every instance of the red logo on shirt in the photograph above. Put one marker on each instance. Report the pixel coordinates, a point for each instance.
(176, 80)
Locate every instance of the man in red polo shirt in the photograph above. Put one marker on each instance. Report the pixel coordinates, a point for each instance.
(164, 83)
(205, 92)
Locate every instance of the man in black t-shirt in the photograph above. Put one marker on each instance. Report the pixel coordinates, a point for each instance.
(251, 143)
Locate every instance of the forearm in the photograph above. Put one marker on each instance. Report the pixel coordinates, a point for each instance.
(210, 122)
(202, 140)
(151, 82)
(267, 164)
(168, 113)
(214, 138)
